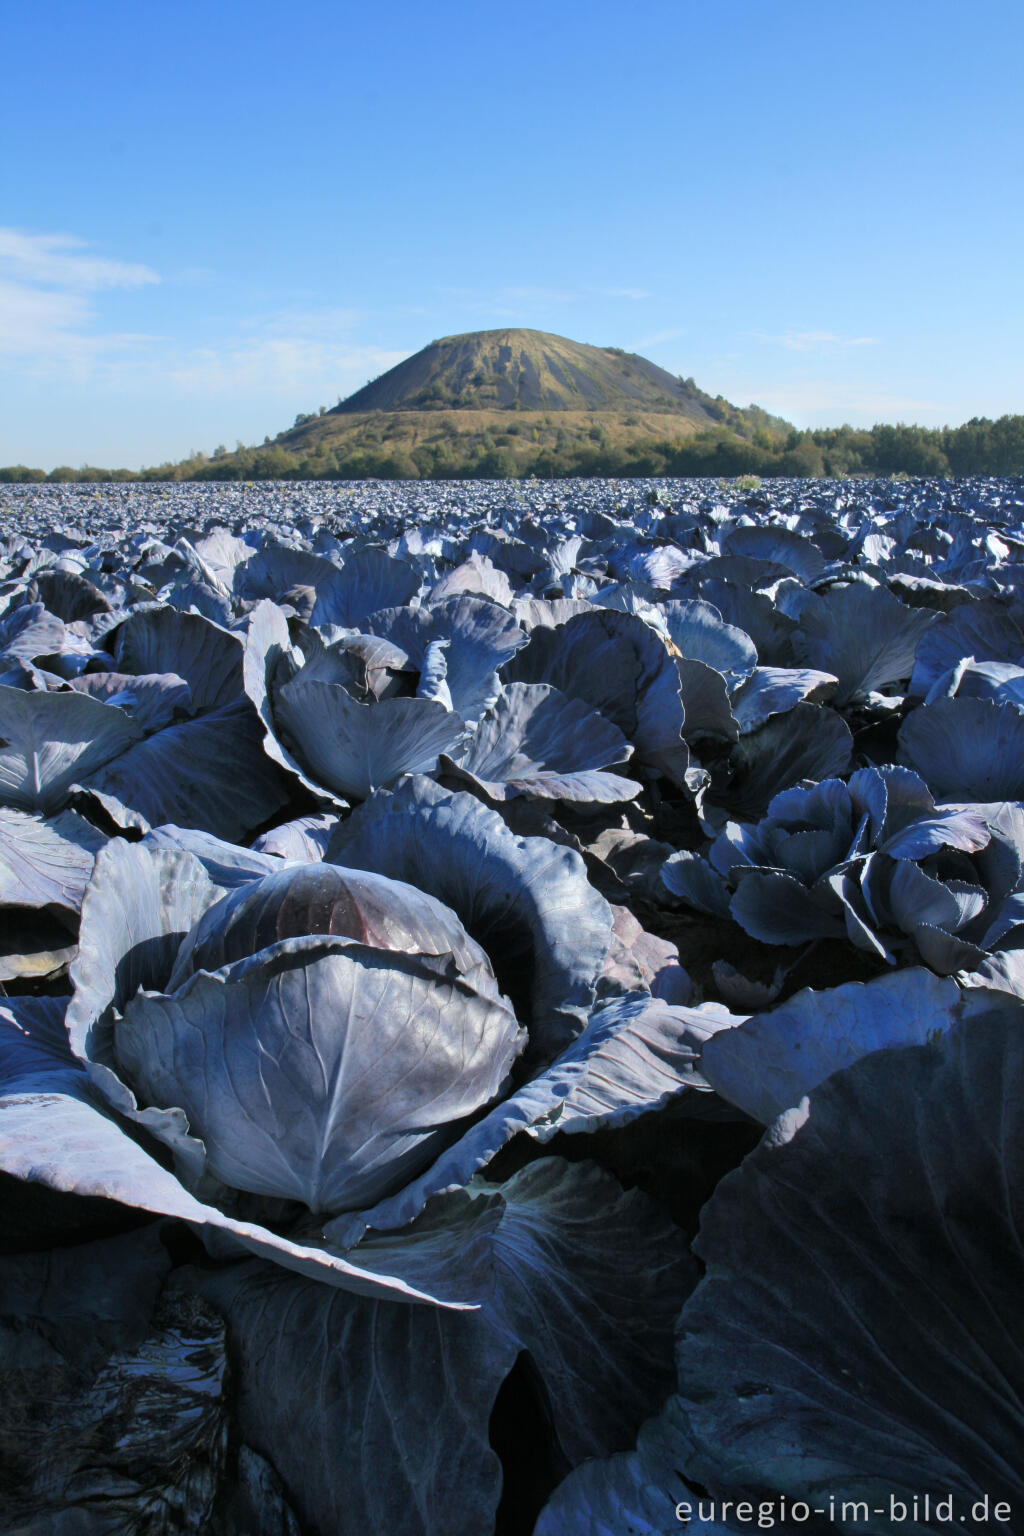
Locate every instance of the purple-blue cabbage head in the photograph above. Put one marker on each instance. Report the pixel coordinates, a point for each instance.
(323, 1031)
(875, 861)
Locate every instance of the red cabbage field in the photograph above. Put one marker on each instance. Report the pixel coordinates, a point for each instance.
(510, 1017)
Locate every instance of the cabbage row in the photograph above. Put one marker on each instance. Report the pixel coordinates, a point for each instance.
(510, 1006)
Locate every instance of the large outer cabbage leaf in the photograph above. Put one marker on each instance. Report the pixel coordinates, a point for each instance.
(892, 1362)
(986, 631)
(481, 637)
(781, 545)
(208, 773)
(857, 1336)
(369, 580)
(537, 741)
(477, 574)
(583, 1276)
(768, 1063)
(304, 838)
(375, 1416)
(775, 690)
(967, 749)
(706, 705)
(769, 628)
(50, 740)
(282, 573)
(808, 742)
(46, 863)
(863, 635)
(634, 1493)
(618, 665)
(163, 640)
(153, 701)
(268, 647)
(699, 633)
(354, 748)
(30, 631)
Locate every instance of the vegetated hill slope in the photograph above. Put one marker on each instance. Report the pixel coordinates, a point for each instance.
(539, 401)
(526, 371)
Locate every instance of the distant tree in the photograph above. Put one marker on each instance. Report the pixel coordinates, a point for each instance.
(805, 460)
(398, 466)
(494, 464)
(272, 463)
(20, 474)
(915, 450)
(1002, 445)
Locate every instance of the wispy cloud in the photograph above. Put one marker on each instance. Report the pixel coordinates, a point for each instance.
(65, 262)
(32, 317)
(46, 334)
(815, 341)
(51, 328)
(48, 313)
(281, 364)
(308, 350)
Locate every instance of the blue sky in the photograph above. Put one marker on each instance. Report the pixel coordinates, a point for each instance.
(213, 216)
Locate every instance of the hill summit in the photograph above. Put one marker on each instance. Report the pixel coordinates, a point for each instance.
(524, 370)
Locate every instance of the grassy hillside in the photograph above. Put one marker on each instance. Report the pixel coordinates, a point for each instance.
(513, 443)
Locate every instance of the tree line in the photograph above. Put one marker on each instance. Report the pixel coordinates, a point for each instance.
(979, 447)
